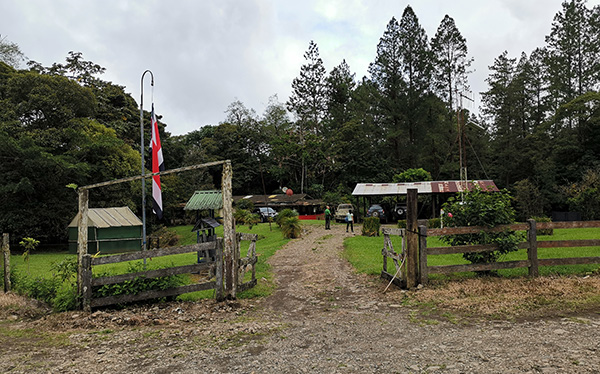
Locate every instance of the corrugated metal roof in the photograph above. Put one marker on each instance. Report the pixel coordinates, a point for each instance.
(110, 217)
(202, 200)
(277, 199)
(366, 189)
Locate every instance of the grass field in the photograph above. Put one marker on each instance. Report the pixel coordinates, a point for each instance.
(364, 253)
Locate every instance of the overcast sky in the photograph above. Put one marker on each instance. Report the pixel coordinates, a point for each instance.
(205, 54)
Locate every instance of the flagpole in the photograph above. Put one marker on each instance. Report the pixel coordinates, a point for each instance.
(142, 152)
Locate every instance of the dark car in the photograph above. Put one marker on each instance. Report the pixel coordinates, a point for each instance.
(399, 211)
(379, 210)
(266, 213)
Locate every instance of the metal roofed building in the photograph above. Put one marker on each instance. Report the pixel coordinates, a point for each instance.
(110, 230)
(303, 203)
(437, 187)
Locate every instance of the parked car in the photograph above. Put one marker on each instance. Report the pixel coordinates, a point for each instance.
(399, 211)
(266, 213)
(342, 210)
(379, 210)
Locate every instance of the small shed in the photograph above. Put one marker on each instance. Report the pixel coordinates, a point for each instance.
(210, 202)
(110, 230)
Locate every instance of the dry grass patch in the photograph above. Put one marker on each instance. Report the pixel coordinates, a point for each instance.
(13, 306)
(511, 299)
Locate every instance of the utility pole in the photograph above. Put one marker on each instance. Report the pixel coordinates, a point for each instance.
(462, 141)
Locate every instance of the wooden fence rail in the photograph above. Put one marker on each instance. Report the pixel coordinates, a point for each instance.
(216, 267)
(532, 244)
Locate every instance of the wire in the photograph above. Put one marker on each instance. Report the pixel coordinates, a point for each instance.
(478, 160)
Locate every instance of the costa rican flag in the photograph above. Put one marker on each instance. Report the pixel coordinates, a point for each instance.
(157, 165)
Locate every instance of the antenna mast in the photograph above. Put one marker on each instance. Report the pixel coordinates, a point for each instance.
(462, 141)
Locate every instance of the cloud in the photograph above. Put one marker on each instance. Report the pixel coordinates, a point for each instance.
(206, 54)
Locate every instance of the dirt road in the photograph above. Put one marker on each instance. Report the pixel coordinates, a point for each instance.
(322, 318)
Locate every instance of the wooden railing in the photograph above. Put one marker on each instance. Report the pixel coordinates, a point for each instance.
(214, 267)
(532, 244)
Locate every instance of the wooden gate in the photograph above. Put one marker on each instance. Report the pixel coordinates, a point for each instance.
(211, 265)
(246, 262)
(230, 250)
(398, 278)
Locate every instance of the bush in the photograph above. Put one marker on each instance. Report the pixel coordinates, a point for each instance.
(401, 223)
(139, 284)
(245, 204)
(283, 215)
(543, 231)
(66, 298)
(434, 223)
(244, 217)
(290, 227)
(164, 237)
(43, 289)
(371, 226)
(486, 209)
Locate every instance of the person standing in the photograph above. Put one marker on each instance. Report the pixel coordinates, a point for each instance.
(350, 221)
(327, 218)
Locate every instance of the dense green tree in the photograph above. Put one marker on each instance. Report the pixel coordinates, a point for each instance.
(340, 85)
(308, 101)
(573, 53)
(10, 53)
(450, 60)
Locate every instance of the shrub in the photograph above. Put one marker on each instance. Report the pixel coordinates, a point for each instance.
(66, 298)
(283, 215)
(139, 284)
(290, 227)
(165, 237)
(543, 231)
(245, 204)
(28, 244)
(42, 289)
(487, 209)
(434, 223)
(401, 223)
(244, 217)
(371, 226)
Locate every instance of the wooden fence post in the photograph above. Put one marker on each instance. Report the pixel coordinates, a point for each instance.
(229, 241)
(423, 255)
(6, 254)
(219, 270)
(532, 252)
(86, 282)
(412, 239)
(82, 238)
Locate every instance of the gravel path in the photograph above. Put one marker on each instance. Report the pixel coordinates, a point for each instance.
(322, 318)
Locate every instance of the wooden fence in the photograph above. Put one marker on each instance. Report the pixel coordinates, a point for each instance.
(211, 265)
(211, 252)
(532, 244)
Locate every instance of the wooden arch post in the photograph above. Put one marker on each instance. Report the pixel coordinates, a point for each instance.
(230, 254)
